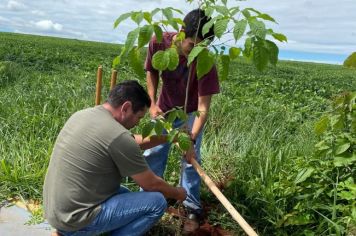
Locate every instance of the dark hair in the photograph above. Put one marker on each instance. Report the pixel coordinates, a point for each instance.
(194, 22)
(129, 90)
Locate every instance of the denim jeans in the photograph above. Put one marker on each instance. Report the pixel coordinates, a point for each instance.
(157, 160)
(126, 213)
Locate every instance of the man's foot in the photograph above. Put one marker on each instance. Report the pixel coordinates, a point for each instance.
(193, 221)
(191, 224)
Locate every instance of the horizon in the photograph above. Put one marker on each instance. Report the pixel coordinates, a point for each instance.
(284, 55)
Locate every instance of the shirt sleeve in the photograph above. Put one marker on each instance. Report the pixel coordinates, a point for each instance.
(209, 83)
(127, 156)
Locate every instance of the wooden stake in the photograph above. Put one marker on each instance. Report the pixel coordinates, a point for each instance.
(113, 79)
(99, 81)
(229, 207)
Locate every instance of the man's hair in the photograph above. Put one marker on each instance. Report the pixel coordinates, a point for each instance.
(129, 90)
(194, 22)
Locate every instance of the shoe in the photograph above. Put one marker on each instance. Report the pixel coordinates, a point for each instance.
(193, 220)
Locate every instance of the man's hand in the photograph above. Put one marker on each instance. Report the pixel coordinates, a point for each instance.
(155, 111)
(190, 154)
(182, 194)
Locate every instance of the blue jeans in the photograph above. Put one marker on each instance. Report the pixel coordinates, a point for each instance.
(126, 213)
(157, 160)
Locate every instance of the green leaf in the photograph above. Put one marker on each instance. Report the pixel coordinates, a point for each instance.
(158, 127)
(194, 53)
(131, 39)
(303, 175)
(180, 36)
(136, 63)
(179, 21)
(172, 135)
(342, 148)
(220, 27)
(253, 10)
(322, 125)
(299, 219)
(223, 67)
(145, 35)
(239, 29)
(160, 60)
(173, 58)
(167, 12)
(234, 52)
(205, 62)
(247, 52)
(223, 10)
(280, 37)
(184, 141)
(344, 161)
(154, 12)
(207, 26)
(176, 10)
(147, 129)
(273, 52)
(147, 16)
(246, 13)
(122, 18)
(266, 17)
(234, 10)
(258, 28)
(116, 62)
(172, 116)
(260, 55)
(182, 115)
(209, 11)
(158, 33)
(137, 17)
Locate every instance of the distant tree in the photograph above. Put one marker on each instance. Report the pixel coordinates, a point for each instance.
(350, 62)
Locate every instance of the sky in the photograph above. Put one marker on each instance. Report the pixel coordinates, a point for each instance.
(317, 30)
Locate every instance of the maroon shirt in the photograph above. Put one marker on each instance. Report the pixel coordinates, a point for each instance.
(174, 82)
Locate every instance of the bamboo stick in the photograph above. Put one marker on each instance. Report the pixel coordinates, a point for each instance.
(99, 80)
(229, 207)
(113, 79)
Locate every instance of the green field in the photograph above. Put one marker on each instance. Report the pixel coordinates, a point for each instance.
(259, 144)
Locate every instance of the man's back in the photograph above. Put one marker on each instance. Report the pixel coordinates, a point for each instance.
(91, 155)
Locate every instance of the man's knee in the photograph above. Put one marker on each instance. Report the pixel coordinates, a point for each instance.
(158, 201)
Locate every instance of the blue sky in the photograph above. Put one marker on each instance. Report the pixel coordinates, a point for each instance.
(317, 30)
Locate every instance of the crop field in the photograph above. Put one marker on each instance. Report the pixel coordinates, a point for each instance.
(261, 146)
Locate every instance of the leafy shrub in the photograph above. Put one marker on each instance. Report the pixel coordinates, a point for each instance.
(350, 62)
(321, 190)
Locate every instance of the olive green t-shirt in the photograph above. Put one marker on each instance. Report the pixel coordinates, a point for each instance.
(91, 155)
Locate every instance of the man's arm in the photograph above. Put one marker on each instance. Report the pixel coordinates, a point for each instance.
(152, 86)
(203, 109)
(150, 142)
(152, 183)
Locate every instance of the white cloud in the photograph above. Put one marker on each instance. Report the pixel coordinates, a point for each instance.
(48, 25)
(38, 13)
(15, 6)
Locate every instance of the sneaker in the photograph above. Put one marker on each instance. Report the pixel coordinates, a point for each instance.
(193, 220)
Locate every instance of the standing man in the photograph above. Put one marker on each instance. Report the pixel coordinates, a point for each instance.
(93, 152)
(173, 94)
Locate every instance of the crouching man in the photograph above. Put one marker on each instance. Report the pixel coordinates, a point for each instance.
(93, 152)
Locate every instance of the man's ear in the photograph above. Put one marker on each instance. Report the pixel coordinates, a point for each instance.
(126, 106)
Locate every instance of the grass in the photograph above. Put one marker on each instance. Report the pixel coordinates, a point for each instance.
(260, 125)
